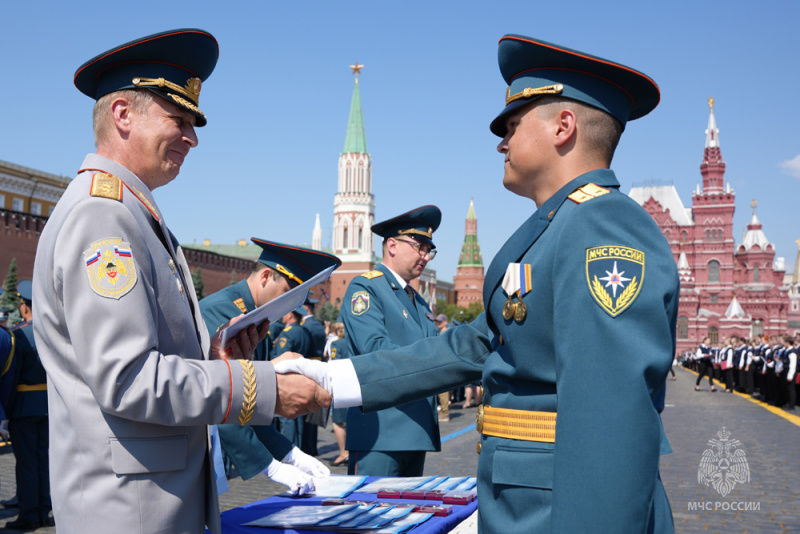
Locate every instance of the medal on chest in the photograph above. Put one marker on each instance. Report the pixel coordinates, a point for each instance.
(516, 283)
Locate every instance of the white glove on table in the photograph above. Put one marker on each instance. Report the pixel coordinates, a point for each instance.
(305, 463)
(299, 482)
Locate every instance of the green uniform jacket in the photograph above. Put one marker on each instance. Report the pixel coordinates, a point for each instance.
(378, 314)
(249, 448)
(603, 372)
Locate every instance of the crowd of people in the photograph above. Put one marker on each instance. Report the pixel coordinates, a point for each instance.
(763, 367)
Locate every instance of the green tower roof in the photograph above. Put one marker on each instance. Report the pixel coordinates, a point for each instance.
(471, 250)
(356, 139)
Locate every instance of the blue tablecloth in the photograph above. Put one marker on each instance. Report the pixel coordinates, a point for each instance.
(232, 519)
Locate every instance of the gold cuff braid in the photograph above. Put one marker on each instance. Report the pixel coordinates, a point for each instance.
(250, 391)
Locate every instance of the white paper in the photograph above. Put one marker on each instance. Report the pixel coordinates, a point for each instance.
(277, 307)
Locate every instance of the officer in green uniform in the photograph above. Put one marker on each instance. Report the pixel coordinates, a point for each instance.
(582, 302)
(28, 422)
(382, 311)
(262, 449)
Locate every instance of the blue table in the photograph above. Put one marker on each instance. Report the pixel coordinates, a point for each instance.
(232, 519)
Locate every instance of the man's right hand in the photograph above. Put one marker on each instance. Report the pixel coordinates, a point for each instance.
(299, 395)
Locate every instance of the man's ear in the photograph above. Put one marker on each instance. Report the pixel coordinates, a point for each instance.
(121, 113)
(566, 127)
(265, 276)
(391, 246)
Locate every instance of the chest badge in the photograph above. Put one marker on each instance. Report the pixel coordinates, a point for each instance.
(615, 276)
(405, 314)
(110, 267)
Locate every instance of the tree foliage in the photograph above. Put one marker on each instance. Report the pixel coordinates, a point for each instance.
(8, 301)
(457, 313)
(197, 280)
(327, 312)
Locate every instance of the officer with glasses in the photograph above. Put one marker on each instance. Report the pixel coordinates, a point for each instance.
(382, 311)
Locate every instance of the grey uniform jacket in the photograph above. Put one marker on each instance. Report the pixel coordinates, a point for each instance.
(131, 392)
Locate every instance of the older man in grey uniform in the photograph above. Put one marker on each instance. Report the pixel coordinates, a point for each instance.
(133, 378)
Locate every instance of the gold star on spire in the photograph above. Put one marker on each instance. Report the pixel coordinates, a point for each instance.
(356, 69)
(711, 103)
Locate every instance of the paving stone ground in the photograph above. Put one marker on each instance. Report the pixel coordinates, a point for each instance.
(769, 437)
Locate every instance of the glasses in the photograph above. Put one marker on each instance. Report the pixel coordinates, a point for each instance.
(422, 250)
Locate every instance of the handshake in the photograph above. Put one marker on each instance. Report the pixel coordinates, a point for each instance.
(329, 378)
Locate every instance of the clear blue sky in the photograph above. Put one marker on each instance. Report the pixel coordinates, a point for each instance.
(279, 99)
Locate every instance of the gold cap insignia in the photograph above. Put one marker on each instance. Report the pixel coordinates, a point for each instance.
(414, 231)
(528, 92)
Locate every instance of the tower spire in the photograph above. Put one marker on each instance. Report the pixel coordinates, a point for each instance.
(355, 141)
(316, 237)
(712, 168)
(354, 204)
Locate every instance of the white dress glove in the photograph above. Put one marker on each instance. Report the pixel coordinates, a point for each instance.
(4, 429)
(313, 369)
(299, 482)
(305, 463)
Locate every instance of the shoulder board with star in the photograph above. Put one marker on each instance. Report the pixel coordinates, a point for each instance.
(240, 304)
(106, 186)
(587, 192)
(372, 274)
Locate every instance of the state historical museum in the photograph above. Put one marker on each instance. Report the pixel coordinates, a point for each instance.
(726, 288)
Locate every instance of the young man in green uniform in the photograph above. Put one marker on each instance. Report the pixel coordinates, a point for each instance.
(262, 449)
(579, 329)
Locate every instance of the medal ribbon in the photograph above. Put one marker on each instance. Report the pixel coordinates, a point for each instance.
(517, 279)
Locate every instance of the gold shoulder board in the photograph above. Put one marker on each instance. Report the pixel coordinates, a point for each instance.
(588, 192)
(372, 274)
(240, 304)
(287, 328)
(107, 186)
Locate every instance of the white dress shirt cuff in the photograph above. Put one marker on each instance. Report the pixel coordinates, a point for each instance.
(345, 388)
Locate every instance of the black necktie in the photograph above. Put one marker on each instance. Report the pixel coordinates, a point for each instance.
(410, 292)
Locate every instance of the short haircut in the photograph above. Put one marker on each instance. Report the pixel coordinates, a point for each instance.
(101, 114)
(598, 131)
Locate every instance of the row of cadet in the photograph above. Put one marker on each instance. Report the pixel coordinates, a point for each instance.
(763, 367)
